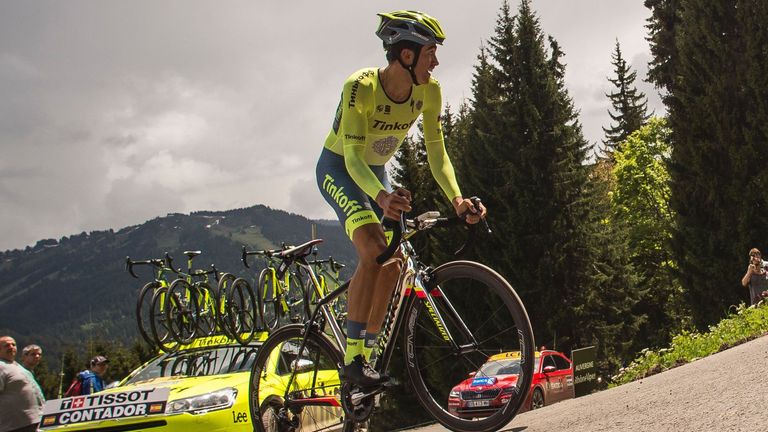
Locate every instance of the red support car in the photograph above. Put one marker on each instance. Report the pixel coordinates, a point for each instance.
(494, 383)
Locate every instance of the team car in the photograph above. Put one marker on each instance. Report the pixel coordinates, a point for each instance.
(204, 387)
(486, 389)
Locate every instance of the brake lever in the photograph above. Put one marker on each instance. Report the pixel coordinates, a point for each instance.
(476, 201)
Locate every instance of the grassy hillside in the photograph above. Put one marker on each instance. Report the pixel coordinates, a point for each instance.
(745, 324)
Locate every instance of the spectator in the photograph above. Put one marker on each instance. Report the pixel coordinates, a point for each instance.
(30, 356)
(21, 401)
(93, 378)
(756, 278)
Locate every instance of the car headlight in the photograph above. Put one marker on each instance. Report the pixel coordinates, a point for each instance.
(509, 390)
(201, 404)
(454, 394)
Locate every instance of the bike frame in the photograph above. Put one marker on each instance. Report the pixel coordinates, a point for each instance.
(412, 286)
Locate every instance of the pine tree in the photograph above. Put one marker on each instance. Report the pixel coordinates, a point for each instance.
(718, 168)
(630, 107)
(526, 137)
(663, 28)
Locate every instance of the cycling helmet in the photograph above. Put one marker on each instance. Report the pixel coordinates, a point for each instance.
(408, 29)
(405, 25)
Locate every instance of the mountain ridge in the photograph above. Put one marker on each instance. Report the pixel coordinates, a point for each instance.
(76, 288)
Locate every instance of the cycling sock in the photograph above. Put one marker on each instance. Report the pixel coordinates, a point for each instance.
(355, 340)
(370, 342)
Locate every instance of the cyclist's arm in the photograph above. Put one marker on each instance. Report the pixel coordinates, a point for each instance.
(439, 162)
(356, 100)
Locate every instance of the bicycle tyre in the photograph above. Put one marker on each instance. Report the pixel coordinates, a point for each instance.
(206, 301)
(223, 287)
(269, 300)
(158, 322)
(494, 314)
(182, 309)
(242, 311)
(272, 405)
(144, 311)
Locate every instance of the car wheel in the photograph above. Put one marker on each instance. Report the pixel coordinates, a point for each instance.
(537, 400)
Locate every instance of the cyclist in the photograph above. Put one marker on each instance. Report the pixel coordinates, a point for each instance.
(377, 109)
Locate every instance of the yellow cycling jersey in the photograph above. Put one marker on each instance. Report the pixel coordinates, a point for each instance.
(369, 127)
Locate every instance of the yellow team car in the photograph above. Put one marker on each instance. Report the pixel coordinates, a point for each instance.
(202, 387)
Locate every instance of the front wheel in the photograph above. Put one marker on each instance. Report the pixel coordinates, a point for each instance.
(144, 311)
(297, 389)
(158, 321)
(469, 347)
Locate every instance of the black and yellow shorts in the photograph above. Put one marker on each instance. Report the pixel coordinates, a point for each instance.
(352, 206)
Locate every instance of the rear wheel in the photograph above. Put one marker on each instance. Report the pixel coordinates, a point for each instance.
(482, 316)
(269, 299)
(224, 286)
(206, 317)
(293, 390)
(242, 311)
(182, 309)
(297, 300)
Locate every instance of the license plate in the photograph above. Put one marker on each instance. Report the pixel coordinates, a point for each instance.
(479, 403)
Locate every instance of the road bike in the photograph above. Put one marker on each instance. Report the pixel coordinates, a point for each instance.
(237, 309)
(161, 268)
(186, 308)
(281, 296)
(450, 319)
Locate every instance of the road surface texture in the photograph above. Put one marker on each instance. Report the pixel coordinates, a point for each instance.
(725, 392)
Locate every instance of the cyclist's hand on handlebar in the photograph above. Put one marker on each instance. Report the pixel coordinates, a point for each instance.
(470, 212)
(394, 203)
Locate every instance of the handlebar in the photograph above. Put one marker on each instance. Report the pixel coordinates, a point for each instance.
(428, 220)
(397, 235)
(333, 264)
(267, 253)
(156, 262)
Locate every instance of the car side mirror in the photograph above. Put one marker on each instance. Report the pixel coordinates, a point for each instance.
(303, 365)
(548, 369)
(471, 374)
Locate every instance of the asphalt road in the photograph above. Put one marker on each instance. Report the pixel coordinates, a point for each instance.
(725, 392)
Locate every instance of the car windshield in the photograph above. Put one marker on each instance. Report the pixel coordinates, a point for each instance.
(204, 362)
(502, 367)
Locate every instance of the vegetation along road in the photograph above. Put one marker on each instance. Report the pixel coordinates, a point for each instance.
(727, 391)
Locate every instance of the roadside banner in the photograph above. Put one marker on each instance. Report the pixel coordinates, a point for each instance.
(104, 406)
(584, 370)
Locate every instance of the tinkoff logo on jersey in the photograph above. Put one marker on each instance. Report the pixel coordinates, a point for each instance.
(387, 126)
(104, 406)
(355, 86)
(349, 206)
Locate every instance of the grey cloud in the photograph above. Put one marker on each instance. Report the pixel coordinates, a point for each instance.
(108, 104)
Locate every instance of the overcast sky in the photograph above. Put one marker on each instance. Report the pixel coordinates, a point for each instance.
(114, 112)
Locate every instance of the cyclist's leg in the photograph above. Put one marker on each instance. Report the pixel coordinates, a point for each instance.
(361, 223)
(382, 293)
(385, 280)
(362, 297)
